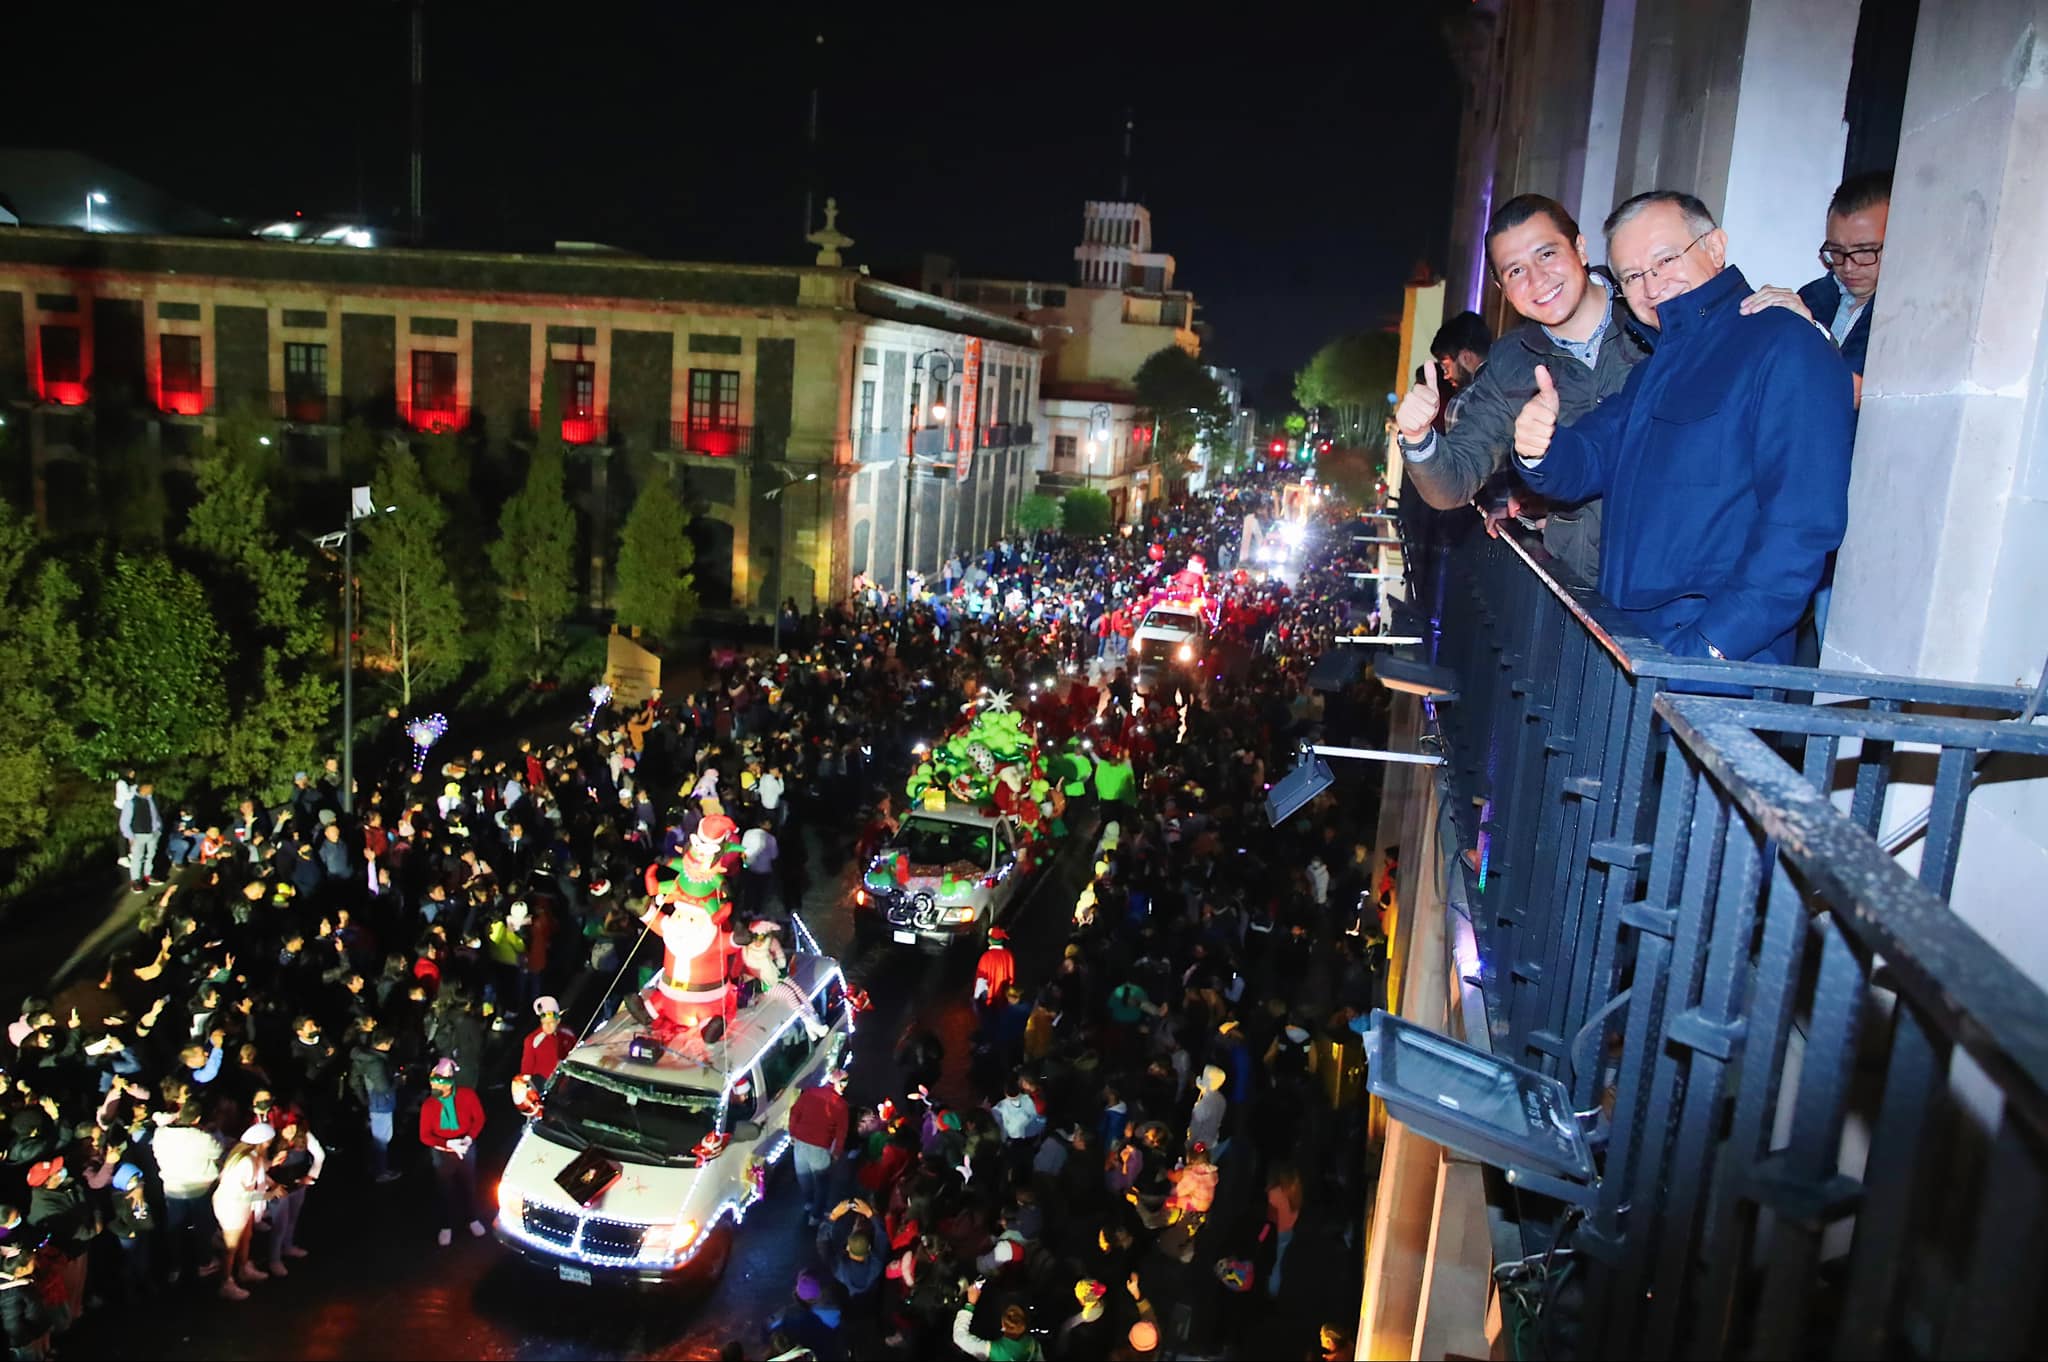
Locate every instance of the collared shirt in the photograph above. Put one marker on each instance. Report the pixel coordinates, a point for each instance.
(1846, 314)
(1587, 351)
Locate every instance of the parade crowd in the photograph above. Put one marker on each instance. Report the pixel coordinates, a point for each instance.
(1148, 1126)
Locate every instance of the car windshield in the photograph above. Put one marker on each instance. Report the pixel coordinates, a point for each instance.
(1172, 619)
(929, 841)
(634, 1121)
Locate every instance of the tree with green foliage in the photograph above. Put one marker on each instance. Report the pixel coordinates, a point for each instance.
(1186, 405)
(1351, 376)
(132, 496)
(1038, 512)
(409, 603)
(1085, 513)
(279, 703)
(39, 658)
(534, 556)
(152, 691)
(657, 592)
(1294, 423)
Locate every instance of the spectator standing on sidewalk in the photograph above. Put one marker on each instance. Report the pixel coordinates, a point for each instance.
(243, 1189)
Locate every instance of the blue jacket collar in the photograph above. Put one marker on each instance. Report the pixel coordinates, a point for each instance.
(1691, 309)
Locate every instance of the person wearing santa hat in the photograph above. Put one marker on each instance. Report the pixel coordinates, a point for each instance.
(548, 1044)
(996, 969)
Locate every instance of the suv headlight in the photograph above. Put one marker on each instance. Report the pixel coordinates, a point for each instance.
(1187, 652)
(955, 917)
(669, 1240)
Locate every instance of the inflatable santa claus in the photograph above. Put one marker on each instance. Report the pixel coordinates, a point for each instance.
(690, 913)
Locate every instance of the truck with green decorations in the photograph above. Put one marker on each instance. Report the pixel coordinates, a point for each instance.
(982, 817)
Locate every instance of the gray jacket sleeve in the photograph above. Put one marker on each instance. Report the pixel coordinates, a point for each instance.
(1472, 450)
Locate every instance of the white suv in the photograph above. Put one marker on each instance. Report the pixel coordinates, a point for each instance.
(691, 1137)
(962, 874)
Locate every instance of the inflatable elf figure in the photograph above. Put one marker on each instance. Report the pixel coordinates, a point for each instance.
(690, 914)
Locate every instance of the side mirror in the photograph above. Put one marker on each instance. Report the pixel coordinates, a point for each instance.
(746, 1130)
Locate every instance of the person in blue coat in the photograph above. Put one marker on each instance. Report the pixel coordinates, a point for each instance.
(1840, 301)
(1725, 457)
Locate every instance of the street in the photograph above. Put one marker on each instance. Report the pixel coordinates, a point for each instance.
(376, 1285)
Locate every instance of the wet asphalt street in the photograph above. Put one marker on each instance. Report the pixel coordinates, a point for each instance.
(377, 1286)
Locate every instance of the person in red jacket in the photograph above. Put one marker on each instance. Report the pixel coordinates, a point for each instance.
(450, 1120)
(547, 1045)
(996, 970)
(818, 1121)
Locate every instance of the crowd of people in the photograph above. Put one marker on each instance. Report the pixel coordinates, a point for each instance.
(357, 982)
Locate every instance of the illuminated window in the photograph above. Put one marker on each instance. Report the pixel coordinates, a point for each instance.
(305, 369)
(433, 381)
(180, 357)
(714, 399)
(867, 406)
(579, 389)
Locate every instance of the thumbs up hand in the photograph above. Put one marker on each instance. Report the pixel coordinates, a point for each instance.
(1538, 421)
(1417, 412)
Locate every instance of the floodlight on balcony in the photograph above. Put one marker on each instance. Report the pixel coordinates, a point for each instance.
(1411, 676)
(1473, 1101)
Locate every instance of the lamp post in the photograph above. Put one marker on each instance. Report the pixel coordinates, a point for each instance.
(774, 494)
(1099, 417)
(360, 507)
(91, 198)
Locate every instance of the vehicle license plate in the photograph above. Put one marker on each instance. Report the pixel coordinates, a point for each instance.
(907, 938)
(578, 1275)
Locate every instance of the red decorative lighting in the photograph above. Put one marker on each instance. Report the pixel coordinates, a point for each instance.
(64, 394)
(578, 430)
(183, 404)
(715, 442)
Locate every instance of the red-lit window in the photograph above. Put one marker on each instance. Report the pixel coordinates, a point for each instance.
(180, 359)
(433, 382)
(305, 380)
(714, 399)
(63, 376)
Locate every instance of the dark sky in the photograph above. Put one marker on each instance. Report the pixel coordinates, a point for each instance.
(1295, 169)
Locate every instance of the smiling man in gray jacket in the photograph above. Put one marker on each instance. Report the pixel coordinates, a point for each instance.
(1577, 326)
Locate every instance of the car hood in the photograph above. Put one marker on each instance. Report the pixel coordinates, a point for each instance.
(642, 1193)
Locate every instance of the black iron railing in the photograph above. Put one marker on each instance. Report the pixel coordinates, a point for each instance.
(718, 441)
(1824, 1094)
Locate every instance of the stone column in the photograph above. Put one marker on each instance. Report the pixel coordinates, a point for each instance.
(1947, 547)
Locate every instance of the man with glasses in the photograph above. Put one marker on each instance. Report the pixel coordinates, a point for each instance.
(1724, 461)
(1839, 301)
(1577, 326)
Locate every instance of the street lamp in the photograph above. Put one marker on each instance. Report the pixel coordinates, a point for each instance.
(1099, 417)
(361, 506)
(90, 199)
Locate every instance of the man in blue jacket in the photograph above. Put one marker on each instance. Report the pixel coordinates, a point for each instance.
(1725, 457)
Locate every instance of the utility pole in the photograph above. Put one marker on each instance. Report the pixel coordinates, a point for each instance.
(419, 119)
(811, 137)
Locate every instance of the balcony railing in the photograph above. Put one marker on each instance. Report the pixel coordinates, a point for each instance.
(577, 429)
(185, 401)
(1020, 433)
(717, 441)
(441, 417)
(996, 436)
(303, 408)
(1826, 1092)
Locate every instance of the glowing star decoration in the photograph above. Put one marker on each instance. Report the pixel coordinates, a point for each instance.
(600, 696)
(997, 702)
(424, 734)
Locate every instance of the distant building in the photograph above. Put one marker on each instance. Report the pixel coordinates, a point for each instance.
(740, 380)
(1120, 310)
(54, 187)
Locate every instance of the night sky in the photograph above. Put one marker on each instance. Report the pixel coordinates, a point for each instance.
(1295, 171)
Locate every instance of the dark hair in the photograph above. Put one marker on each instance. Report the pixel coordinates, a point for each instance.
(1859, 192)
(1521, 208)
(1697, 216)
(1466, 331)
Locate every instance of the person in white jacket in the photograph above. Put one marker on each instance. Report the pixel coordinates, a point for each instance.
(1205, 1126)
(188, 1162)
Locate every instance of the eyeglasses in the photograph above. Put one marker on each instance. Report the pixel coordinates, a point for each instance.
(1634, 279)
(1834, 257)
